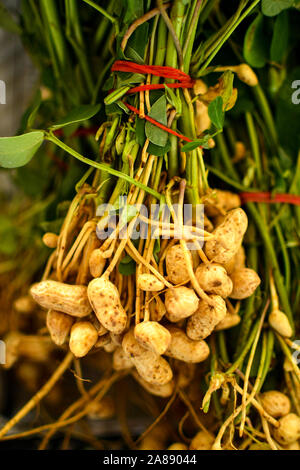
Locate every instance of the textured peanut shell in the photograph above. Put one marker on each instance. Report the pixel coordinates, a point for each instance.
(83, 337)
(105, 300)
(201, 324)
(96, 263)
(245, 282)
(66, 298)
(181, 302)
(176, 266)
(224, 200)
(153, 336)
(164, 391)
(229, 321)
(276, 403)
(236, 262)
(121, 361)
(185, 349)
(153, 368)
(228, 237)
(149, 283)
(213, 279)
(288, 430)
(59, 325)
(131, 347)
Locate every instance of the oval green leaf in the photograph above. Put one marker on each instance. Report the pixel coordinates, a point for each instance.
(158, 112)
(255, 44)
(216, 113)
(274, 7)
(19, 150)
(81, 113)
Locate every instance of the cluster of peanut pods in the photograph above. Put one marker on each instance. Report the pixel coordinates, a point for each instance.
(185, 301)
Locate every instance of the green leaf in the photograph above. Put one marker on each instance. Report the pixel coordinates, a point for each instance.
(158, 112)
(19, 150)
(159, 151)
(255, 44)
(216, 113)
(280, 38)
(192, 145)
(274, 7)
(81, 113)
(127, 266)
(7, 22)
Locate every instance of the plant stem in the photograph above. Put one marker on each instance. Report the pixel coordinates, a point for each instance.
(101, 166)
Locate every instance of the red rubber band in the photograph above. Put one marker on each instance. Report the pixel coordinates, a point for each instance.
(184, 81)
(158, 124)
(269, 198)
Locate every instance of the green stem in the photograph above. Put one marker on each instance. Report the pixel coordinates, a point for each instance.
(267, 115)
(254, 147)
(101, 166)
(104, 13)
(273, 260)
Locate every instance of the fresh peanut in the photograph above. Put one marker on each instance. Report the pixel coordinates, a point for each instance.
(288, 430)
(246, 74)
(103, 341)
(236, 262)
(201, 324)
(83, 337)
(149, 283)
(164, 390)
(228, 237)
(157, 309)
(176, 266)
(121, 361)
(221, 201)
(50, 240)
(105, 300)
(66, 298)
(245, 282)
(153, 368)
(59, 325)
(202, 441)
(150, 366)
(229, 321)
(96, 262)
(277, 404)
(131, 347)
(153, 336)
(202, 119)
(184, 349)
(280, 323)
(213, 279)
(181, 302)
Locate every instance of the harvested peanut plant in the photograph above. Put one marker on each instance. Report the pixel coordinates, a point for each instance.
(196, 310)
